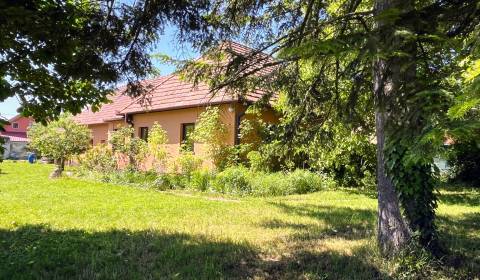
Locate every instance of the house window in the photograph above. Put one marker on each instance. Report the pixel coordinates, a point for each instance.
(187, 141)
(15, 125)
(144, 133)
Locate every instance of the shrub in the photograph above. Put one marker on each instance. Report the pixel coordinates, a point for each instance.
(99, 158)
(279, 183)
(234, 180)
(465, 161)
(240, 180)
(186, 163)
(157, 138)
(201, 179)
(303, 181)
(211, 131)
(266, 184)
(123, 142)
(256, 161)
(171, 181)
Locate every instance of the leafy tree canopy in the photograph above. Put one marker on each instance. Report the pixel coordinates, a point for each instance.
(389, 66)
(58, 56)
(59, 140)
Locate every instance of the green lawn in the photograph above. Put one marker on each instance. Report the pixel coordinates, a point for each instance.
(68, 228)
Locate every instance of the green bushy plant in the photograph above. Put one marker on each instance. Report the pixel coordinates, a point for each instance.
(256, 161)
(186, 163)
(59, 140)
(125, 177)
(242, 181)
(465, 161)
(99, 158)
(124, 142)
(157, 138)
(171, 181)
(303, 181)
(233, 180)
(212, 131)
(295, 182)
(201, 179)
(267, 184)
(415, 262)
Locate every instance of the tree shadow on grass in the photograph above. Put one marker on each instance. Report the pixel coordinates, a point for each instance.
(465, 198)
(343, 222)
(39, 252)
(460, 234)
(340, 223)
(306, 264)
(462, 237)
(367, 192)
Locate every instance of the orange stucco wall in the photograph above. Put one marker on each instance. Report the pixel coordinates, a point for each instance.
(172, 120)
(99, 133)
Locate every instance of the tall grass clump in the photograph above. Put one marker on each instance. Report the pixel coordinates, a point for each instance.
(242, 181)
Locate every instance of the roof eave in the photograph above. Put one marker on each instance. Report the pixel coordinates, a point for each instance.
(144, 111)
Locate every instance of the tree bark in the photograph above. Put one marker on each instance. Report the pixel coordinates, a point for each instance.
(59, 167)
(392, 231)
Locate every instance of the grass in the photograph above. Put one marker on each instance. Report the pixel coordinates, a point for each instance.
(69, 228)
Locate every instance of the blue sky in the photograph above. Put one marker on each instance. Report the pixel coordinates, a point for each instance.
(166, 45)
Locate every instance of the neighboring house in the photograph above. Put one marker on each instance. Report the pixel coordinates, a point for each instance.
(176, 105)
(15, 136)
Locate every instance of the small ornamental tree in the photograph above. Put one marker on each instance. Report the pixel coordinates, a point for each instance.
(59, 140)
(124, 142)
(157, 138)
(211, 131)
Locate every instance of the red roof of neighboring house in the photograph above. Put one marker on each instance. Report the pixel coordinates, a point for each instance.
(165, 93)
(22, 124)
(15, 136)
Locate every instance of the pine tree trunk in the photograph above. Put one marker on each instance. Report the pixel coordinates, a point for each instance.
(393, 232)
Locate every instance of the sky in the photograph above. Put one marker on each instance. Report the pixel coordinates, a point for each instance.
(166, 45)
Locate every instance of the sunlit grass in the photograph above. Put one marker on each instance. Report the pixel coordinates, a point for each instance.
(72, 228)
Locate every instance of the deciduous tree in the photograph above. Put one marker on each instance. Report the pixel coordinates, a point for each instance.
(59, 140)
(349, 61)
(58, 56)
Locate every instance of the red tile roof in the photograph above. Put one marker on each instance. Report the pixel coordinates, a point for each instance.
(164, 93)
(15, 136)
(107, 112)
(171, 92)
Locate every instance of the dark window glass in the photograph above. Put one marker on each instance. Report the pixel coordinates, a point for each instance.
(186, 141)
(15, 125)
(144, 133)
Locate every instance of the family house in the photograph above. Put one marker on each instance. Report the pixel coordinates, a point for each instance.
(176, 105)
(15, 137)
